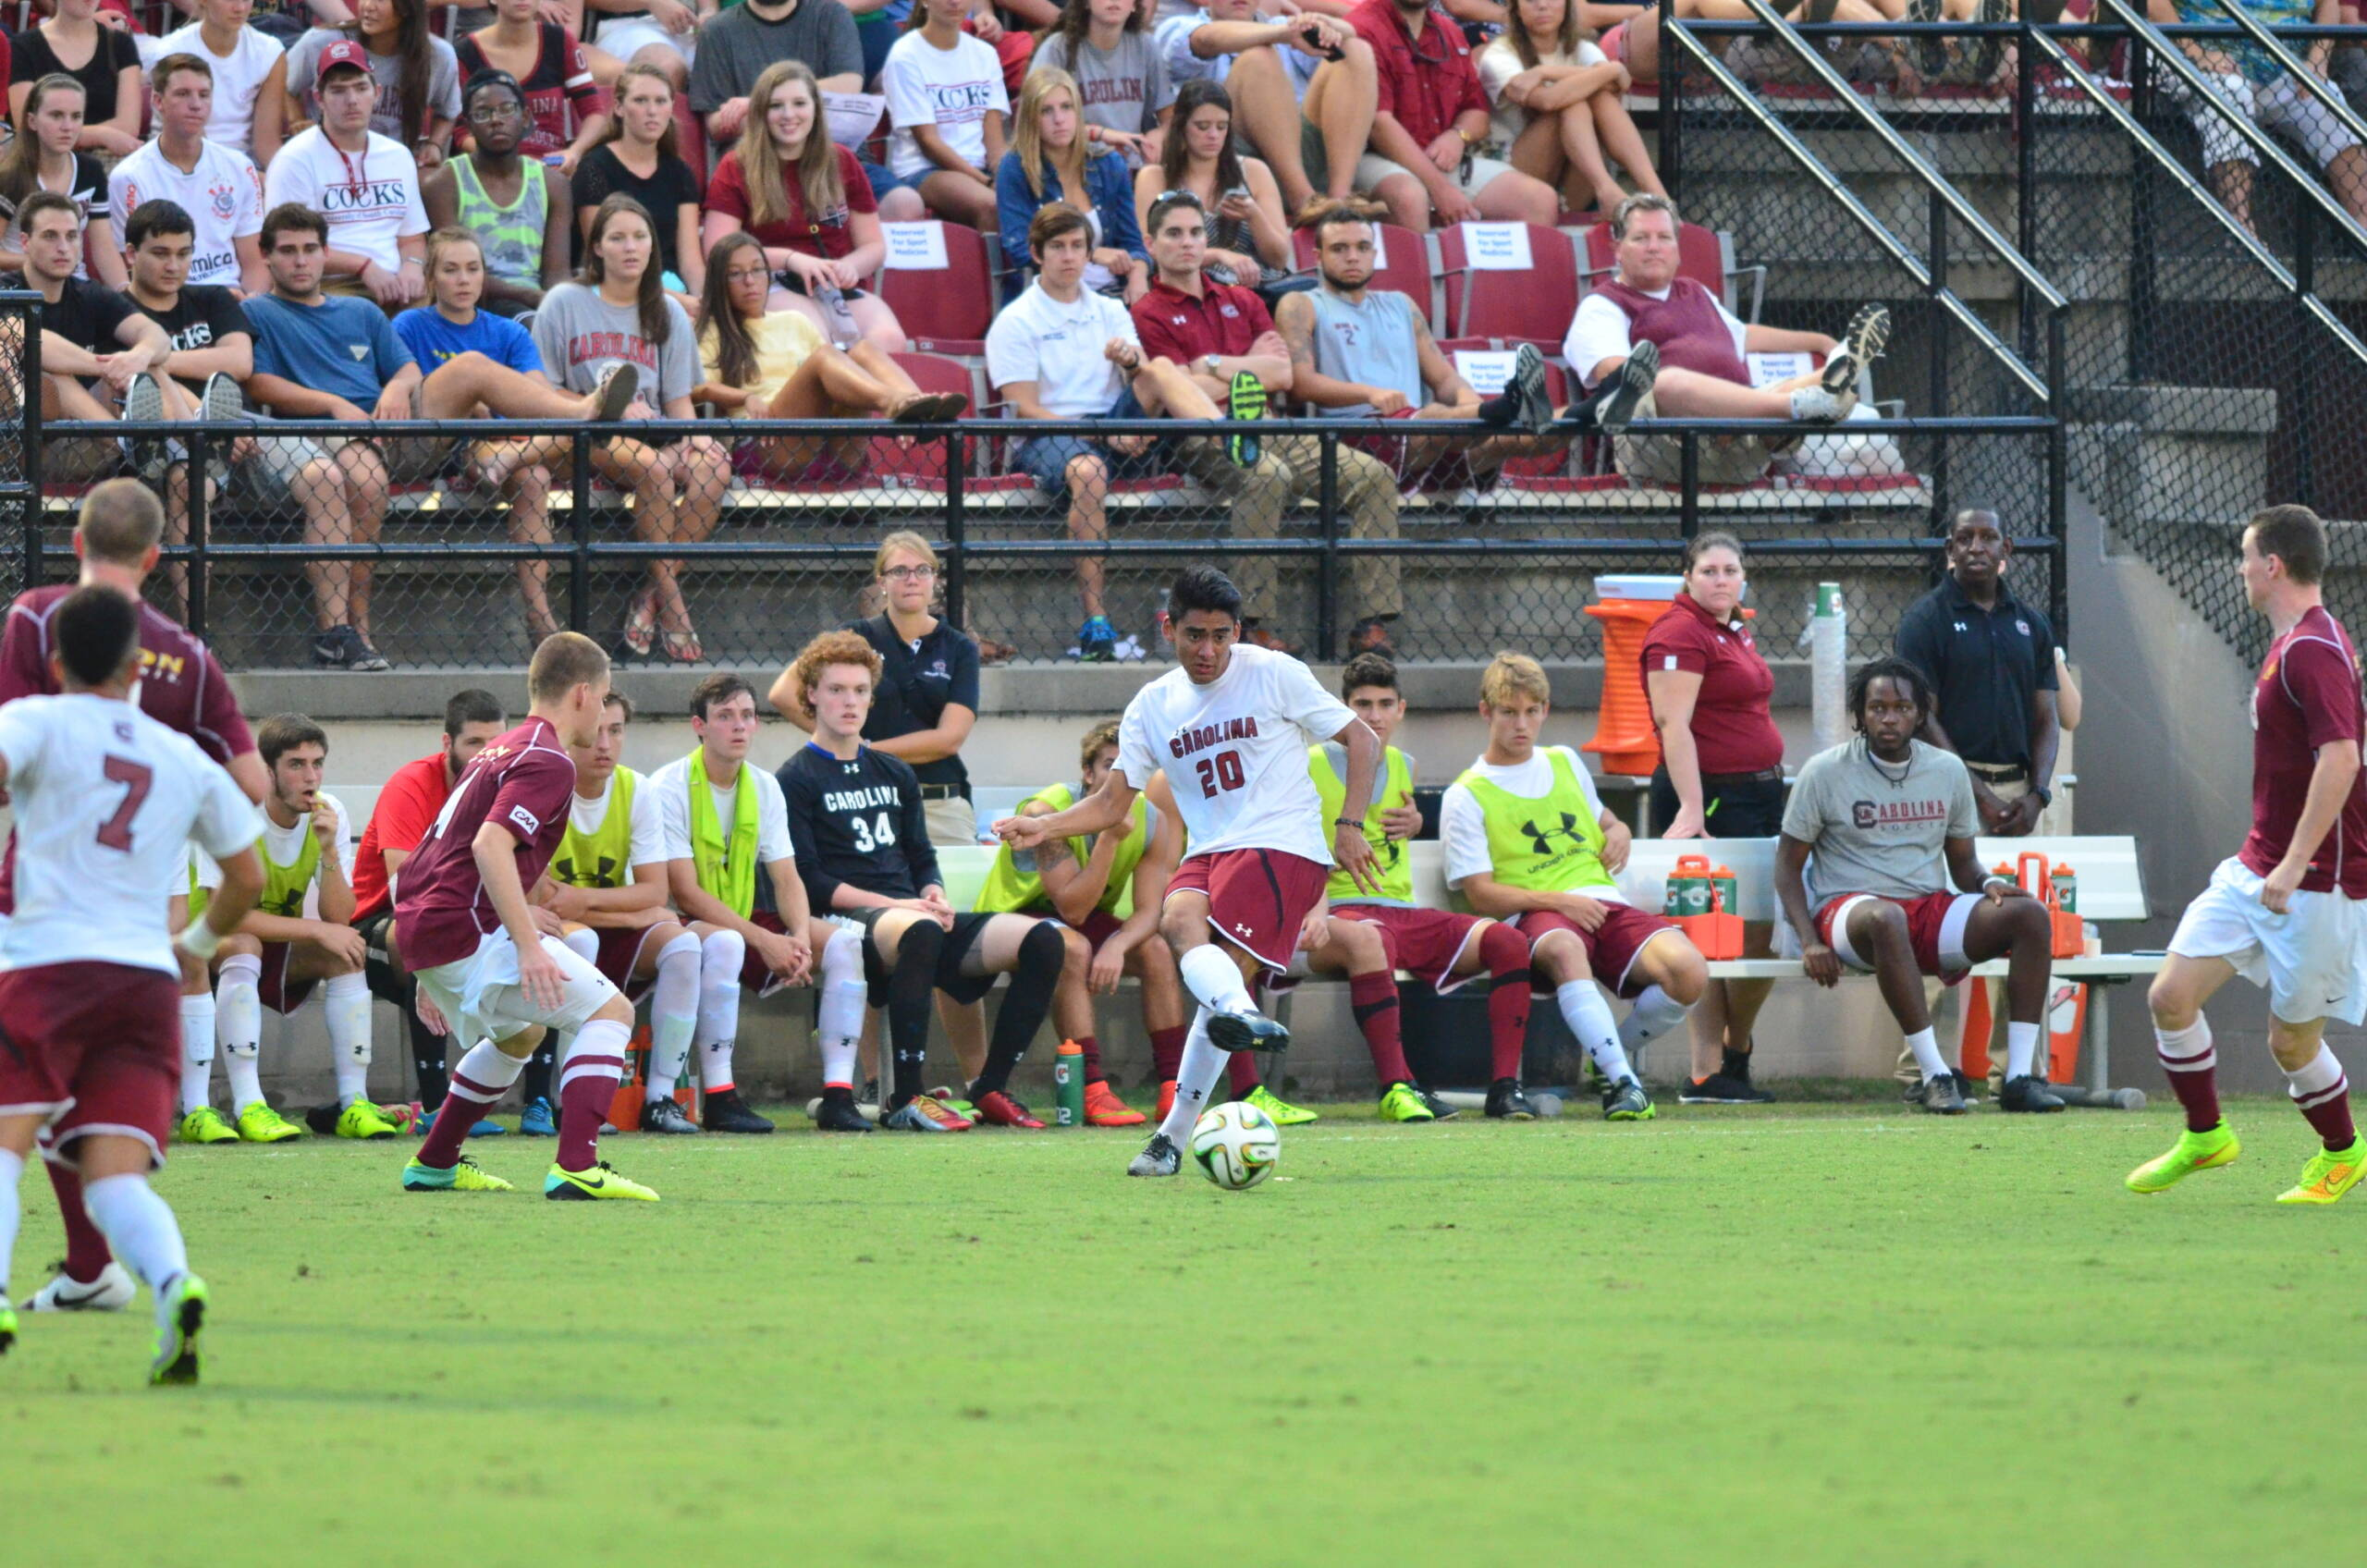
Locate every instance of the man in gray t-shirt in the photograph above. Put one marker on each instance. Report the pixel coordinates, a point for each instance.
(737, 44)
(1876, 871)
(1125, 86)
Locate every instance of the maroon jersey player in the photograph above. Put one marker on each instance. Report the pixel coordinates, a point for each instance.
(2285, 910)
(494, 968)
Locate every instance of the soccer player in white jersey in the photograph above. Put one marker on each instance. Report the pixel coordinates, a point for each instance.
(1230, 728)
(2285, 910)
(106, 801)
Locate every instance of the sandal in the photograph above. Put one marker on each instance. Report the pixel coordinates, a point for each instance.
(682, 647)
(641, 624)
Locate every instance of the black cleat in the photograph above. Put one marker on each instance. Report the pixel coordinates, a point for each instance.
(1159, 1157)
(727, 1113)
(1625, 1101)
(1941, 1096)
(1719, 1089)
(837, 1113)
(664, 1114)
(1438, 1108)
(1248, 1032)
(1508, 1101)
(2030, 1094)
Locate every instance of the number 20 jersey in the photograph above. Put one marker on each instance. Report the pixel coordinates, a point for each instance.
(107, 801)
(1235, 752)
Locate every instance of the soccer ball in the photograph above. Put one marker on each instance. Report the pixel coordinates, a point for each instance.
(1236, 1146)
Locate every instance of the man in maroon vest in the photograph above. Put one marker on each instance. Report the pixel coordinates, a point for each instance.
(1702, 373)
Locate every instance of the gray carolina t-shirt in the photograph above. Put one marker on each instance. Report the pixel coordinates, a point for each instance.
(1878, 828)
(443, 80)
(580, 335)
(735, 47)
(1125, 89)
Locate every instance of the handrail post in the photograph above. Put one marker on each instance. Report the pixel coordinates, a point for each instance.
(2140, 214)
(193, 477)
(32, 399)
(2305, 283)
(1672, 126)
(1939, 389)
(2058, 456)
(2026, 185)
(579, 577)
(957, 531)
(1689, 481)
(1327, 580)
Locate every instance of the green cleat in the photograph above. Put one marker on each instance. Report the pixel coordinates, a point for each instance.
(2329, 1174)
(184, 1315)
(1403, 1103)
(2193, 1152)
(465, 1177)
(258, 1123)
(1627, 1102)
(601, 1182)
(7, 1325)
(363, 1120)
(204, 1125)
(1278, 1111)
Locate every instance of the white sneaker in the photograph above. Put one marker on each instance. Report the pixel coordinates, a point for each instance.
(112, 1291)
(1815, 403)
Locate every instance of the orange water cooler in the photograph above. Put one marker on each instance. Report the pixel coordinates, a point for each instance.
(1624, 736)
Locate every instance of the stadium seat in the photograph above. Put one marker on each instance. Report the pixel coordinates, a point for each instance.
(925, 462)
(1534, 302)
(1404, 264)
(949, 306)
(1485, 362)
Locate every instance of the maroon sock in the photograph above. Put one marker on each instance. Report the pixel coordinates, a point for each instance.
(1505, 952)
(2195, 1082)
(2329, 1112)
(86, 1250)
(582, 1106)
(465, 1102)
(1167, 1052)
(1092, 1049)
(1240, 1072)
(1374, 999)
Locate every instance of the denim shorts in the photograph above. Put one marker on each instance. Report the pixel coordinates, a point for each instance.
(1046, 457)
(882, 180)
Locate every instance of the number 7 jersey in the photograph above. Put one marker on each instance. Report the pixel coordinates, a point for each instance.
(1235, 752)
(107, 801)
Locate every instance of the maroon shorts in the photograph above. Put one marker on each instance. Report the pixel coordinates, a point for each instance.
(619, 950)
(1935, 927)
(754, 972)
(93, 1048)
(279, 993)
(1611, 948)
(1426, 942)
(1446, 471)
(1099, 927)
(1257, 899)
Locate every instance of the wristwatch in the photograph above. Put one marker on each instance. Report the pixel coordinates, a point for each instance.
(1215, 363)
(2045, 796)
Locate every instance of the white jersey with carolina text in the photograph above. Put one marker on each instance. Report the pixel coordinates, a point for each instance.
(107, 801)
(1235, 752)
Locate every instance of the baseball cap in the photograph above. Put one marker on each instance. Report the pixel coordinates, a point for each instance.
(344, 52)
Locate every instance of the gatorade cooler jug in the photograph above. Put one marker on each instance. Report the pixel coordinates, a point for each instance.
(1624, 736)
(1700, 895)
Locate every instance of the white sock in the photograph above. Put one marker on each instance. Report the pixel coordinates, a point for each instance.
(197, 1052)
(1655, 1014)
(481, 1078)
(139, 1229)
(2022, 1049)
(1926, 1046)
(347, 999)
(844, 996)
(1202, 1065)
(1588, 1017)
(238, 1023)
(721, 956)
(2187, 1049)
(1214, 980)
(12, 1172)
(597, 1050)
(673, 1013)
(2318, 1079)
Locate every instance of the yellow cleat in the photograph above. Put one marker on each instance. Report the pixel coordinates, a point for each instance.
(363, 1120)
(2193, 1152)
(2329, 1174)
(204, 1125)
(258, 1123)
(601, 1182)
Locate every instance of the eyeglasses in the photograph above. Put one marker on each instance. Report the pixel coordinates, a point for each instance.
(909, 573)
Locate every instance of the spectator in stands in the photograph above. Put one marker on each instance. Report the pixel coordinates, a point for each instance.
(1243, 208)
(640, 160)
(663, 35)
(1563, 897)
(1219, 332)
(1697, 369)
(216, 185)
(1899, 892)
(1721, 776)
(1051, 161)
(365, 185)
(775, 365)
(740, 43)
(518, 208)
(1631, 33)
(808, 203)
(1431, 117)
(1558, 106)
(285, 22)
(723, 820)
(1121, 76)
(418, 77)
(407, 805)
(92, 334)
(1362, 353)
(566, 112)
(1305, 87)
(250, 76)
(1060, 352)
(947, 102)
(1083, 886)
(102, 58)
(617, 312)
(2249, 81)
(43, 157)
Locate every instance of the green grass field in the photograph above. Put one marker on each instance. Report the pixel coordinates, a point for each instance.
(1831, 1334)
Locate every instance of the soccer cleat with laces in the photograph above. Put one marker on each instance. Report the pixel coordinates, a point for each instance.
(111, 1292)
(2193, 1152)
(664, 1114)
(725, 1111)
(837, 1113)
(2329, 1174)
(1508, 1101)
(1721, 1088)
(184, 1314)
(1159, 1157)
(924, 1113)
(364, 1120)
(7, 1325)
(997, 1109)
(598, 1183)
(487, 1127)
(1248, 1032)
(1281, 1112)
(1942, 1095)
(1245, 400)
(465, 1177)
(204, 1125)
(1625, 1101)
(1403, 1102)
(1440, 1111)
(2029, 1095)
(539, 1120)
(1104, 1109)
(258, 1123)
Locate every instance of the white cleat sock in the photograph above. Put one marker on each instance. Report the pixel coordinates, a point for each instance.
(1214, 980)
(2021, 1049)
(238, 1023)
(197, 1051)
(673, 1014)
(346, 997)
(1195, 1078)
(1588, 1017)
(139, 1229)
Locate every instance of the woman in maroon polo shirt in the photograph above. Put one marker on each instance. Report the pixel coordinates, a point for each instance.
(1720, 776)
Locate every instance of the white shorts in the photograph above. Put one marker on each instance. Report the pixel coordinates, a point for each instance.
(1372, 168)
(2274, 105)
(479, 996)
(625, 38)
(2312, 958)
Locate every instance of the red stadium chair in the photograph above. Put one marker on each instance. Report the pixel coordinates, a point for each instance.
(1534, 302)
(1404, 264)
(1465, 352)
(925, 462)
(948, 308)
